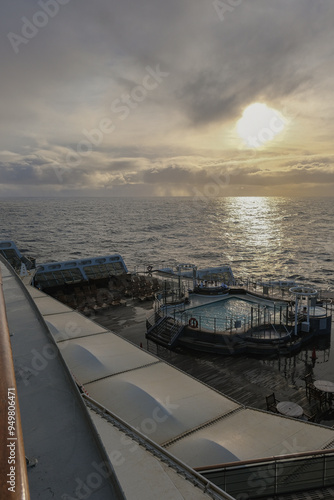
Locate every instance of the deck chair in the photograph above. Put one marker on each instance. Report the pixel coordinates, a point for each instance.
(271, 403)
(308, 383)
(318, 396)
(311, 417)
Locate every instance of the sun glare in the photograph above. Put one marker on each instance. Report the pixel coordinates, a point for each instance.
(259, 124)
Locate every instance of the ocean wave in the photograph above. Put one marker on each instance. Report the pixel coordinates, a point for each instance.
(274, 241)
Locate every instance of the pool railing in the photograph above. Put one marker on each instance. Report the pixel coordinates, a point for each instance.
(259, 317)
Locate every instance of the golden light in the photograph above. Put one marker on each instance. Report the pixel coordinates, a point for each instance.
(259, 124)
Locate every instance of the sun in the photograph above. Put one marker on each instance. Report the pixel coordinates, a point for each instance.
(260, 124)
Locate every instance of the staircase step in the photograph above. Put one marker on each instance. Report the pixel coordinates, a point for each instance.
(164, 331)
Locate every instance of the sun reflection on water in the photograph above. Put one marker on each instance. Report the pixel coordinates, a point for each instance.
(255, 216)
(250, 226)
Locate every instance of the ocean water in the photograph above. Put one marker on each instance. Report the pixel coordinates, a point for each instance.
(259, 237)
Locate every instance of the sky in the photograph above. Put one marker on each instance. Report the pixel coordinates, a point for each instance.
(146, 98)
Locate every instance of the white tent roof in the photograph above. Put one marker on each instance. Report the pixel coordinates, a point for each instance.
(98, 356)
(196, 423)
(151, 478)
(159, 400)
(250, 434)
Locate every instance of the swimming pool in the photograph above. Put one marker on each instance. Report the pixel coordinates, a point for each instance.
(231, 312)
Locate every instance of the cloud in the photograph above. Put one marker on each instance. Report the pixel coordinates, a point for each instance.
(264, 51)
(64, 79)
(201, 178)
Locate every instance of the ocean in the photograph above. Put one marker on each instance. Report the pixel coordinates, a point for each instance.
(260, 237)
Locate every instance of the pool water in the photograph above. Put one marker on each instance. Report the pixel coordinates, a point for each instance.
(222, 314)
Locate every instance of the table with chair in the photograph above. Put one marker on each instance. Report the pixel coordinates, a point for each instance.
(272, 403)
(290, 409)
(308, 383)
(326, 388)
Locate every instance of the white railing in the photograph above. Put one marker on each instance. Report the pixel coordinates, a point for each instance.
(276, 317)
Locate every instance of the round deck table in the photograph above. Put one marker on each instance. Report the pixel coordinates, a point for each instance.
(290, 409)
(324, 385)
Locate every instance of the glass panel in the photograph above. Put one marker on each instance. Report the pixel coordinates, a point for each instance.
(12, 258)
(67, 274)
(40, 278)
(329, 476)
(76, 274)
(300, 475)
(50, 283)
(118, 265)
(285, 476)
(101, 260)
(90, 272)
(111, 268)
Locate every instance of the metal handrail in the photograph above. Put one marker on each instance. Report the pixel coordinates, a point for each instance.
(275, 458)
(224, 325)
(13, 470)
(177, 327)
(157, 450)
(284, 473)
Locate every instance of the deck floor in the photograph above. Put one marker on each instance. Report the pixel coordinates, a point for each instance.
(246, 379)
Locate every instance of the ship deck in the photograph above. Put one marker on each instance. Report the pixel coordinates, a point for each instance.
(247, 379)
(57, 432)
(76, 453)
(199, 425)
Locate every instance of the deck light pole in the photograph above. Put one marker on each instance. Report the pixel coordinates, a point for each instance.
(300, 292)
(187, 266)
